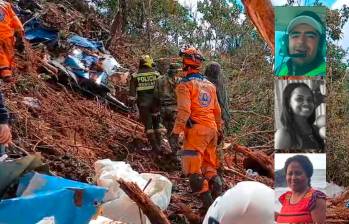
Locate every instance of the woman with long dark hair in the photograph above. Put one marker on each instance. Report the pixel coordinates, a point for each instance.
(297, 118)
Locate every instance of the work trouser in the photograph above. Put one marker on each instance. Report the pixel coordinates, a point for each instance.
(6, 56)
(148, 113)
(199, 155)
(168, 117)
(150, 118)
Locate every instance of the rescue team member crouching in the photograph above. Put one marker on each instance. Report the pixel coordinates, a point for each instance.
(199, 117)
(11, 36)
(142, 91)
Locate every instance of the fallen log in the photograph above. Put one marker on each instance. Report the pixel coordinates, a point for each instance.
(263, 160)
(152, 211)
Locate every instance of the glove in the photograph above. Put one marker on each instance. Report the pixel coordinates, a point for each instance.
(19, 45)
(131, 102)
(219, 137)
(5, 134)
(174, 142)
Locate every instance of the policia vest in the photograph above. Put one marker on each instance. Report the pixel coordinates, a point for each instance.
(145, 81)
(317, 71)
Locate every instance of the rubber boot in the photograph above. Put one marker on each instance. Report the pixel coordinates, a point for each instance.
(8, 79)
(162, 141)
(216, 186)
(153, 142)
(206, 199)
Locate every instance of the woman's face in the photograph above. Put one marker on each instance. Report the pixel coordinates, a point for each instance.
(302, 102)
(296, 177)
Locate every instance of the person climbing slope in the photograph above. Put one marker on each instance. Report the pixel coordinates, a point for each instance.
(11, 37)
(199, 117)
(165, 97)
(142, 91)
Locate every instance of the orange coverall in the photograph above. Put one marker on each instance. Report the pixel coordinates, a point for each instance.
(9, 25)
(197, 100)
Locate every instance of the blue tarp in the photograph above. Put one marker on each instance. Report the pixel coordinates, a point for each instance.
(70, 202)
(34, 32)
(87, 43)
(80, 63)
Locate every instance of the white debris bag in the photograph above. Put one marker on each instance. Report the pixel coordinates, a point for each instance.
(118, 206)
(248, 202)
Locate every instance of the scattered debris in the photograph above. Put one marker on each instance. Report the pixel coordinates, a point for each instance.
(337, 210)
(32, 102)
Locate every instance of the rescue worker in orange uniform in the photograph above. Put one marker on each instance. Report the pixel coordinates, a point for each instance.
(11, 36)
(199, 117)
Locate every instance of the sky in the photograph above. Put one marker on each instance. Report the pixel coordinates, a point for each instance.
(333, 4)
(317, 159)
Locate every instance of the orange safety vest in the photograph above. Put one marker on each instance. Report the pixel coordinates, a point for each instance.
(9, 22)
(299, 212)
(197, 100)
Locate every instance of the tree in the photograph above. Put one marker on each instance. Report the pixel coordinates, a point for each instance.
(119, 23)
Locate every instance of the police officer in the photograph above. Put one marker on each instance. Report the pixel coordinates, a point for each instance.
(142, 92)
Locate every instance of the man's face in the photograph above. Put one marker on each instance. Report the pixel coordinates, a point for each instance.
(304, 39)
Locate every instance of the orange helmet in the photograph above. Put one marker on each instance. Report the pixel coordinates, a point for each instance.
(192, 57)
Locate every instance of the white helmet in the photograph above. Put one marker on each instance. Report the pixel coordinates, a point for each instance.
(248, 202)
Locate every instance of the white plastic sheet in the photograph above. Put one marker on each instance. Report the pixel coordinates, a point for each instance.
(118, 206)
(110, 65)
(47, 220)
(332, 190)
(104, 220)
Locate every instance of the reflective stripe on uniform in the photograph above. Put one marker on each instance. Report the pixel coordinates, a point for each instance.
(188, 153)
(193, 77)
(145, 81)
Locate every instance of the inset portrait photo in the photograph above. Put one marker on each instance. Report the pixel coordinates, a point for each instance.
(300, 41)
(300, 188)
(300, 115)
